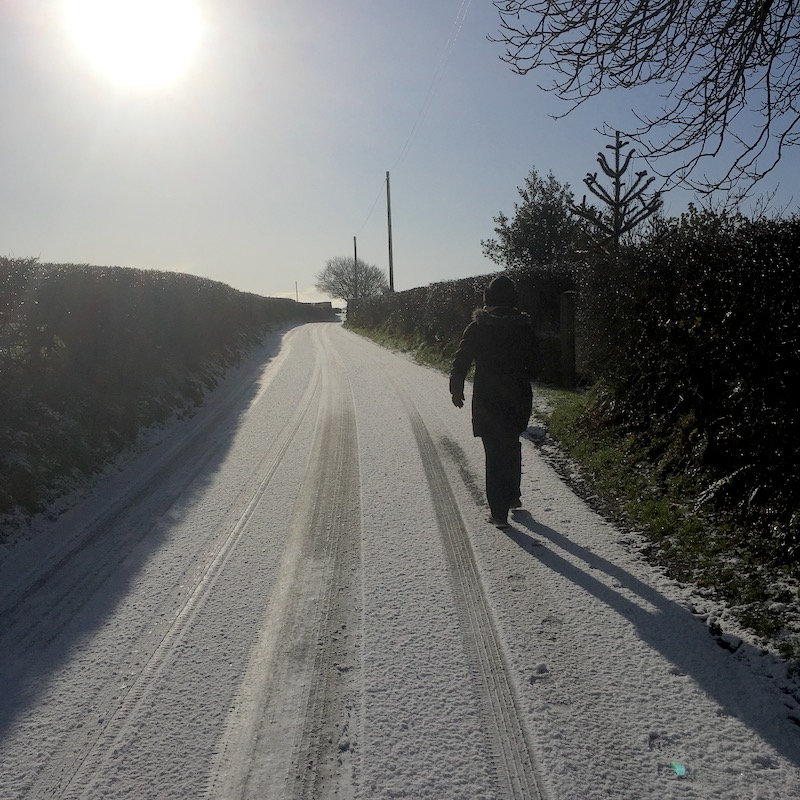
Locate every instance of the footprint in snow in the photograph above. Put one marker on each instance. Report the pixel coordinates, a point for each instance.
(540, 672)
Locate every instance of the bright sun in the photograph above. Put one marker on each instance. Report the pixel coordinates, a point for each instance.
(138, 43)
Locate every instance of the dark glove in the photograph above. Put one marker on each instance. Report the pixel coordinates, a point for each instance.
(458, 399)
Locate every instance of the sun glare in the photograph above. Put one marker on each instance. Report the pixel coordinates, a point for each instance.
(137, 43)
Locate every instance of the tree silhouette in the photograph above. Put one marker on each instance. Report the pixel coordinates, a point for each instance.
(343, 279)
(544, 228)
(627, 206)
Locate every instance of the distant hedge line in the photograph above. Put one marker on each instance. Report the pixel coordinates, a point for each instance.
(693, 338)
(89, 355)
(436, 315)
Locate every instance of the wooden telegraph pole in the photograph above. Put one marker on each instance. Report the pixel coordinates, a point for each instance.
(389, 213)
(355, 269)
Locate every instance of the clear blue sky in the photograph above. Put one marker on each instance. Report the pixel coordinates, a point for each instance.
(269, 154)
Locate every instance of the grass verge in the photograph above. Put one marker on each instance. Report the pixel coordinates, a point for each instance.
(634, 484)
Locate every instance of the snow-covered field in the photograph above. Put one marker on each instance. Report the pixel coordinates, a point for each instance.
(295, 594)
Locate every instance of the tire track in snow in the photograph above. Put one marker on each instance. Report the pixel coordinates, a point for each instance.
(289, 731)
(78, 573)
(71, 771)
(516, 767)
(196, 449)
(32, 619)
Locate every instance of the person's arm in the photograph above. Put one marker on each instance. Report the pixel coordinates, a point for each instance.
(533, 355)
(461, 364)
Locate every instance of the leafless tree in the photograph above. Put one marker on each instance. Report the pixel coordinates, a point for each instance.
(728, 73)
(343, 279)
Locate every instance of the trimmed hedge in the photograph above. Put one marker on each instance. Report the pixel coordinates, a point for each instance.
(89, 355)
(697, 331)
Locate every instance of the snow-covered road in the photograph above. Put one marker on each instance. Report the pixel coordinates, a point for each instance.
(295, 594)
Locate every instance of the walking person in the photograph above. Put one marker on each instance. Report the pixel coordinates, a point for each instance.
(500, 341)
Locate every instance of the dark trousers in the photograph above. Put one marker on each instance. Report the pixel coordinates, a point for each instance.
(503, 471)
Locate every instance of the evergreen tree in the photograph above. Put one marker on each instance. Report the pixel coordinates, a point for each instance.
(544, 228)
(626, 206)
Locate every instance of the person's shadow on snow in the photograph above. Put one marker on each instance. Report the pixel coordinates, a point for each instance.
(668, 628)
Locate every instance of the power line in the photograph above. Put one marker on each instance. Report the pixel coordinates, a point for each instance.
(375, 202)
(458, 24)
(455, 32)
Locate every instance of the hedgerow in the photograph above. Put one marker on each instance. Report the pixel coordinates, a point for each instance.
(88, 356)
(695, 337)
(436, 315)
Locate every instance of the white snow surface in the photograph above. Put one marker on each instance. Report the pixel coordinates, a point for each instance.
(295, 593)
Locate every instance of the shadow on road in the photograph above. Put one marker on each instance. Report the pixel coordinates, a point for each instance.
(668, 628)
(71, 595)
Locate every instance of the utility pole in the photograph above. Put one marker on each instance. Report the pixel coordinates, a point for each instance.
(355, 269)
(389, 213)
(296, 295)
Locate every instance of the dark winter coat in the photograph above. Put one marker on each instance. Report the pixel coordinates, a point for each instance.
(502, 345)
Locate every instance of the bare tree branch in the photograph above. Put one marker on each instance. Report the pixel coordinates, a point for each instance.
(728, 73)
